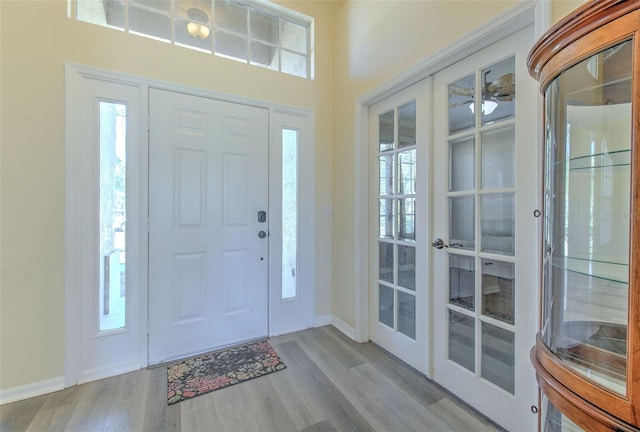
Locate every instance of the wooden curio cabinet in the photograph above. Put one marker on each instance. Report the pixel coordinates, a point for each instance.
(587, 353)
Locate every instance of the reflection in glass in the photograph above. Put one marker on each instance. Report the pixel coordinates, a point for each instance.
(587, 200)
(499, 90)
(385, 305)
(498, 160)
(264, 27)
(461, 96)
(498, 223)
(386, 174)
(407, 267)
(462, 340)
(407, 172)
(554, 421)
(462, 290)
(498, 356)
(407, 125)
(230, 46)
(386, 262)
(498, 290)
(147, 23)
(386, 131)
(386, 218)
(462, 165)
(112, 216)
(230, 16)
(461, 222)
(407, 314)
(406, 219)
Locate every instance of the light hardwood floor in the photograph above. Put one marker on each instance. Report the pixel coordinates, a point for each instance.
(331, 384)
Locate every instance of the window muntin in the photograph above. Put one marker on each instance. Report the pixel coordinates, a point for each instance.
(227, 28)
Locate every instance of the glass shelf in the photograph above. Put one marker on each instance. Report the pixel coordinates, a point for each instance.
(600, 160)
(606, 270)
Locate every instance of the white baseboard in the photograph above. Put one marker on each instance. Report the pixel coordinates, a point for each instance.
(289, 329)
(349, 331)
(323, 320)
(102, 373)
(27, 391)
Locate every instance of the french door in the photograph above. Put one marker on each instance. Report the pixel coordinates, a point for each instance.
(398, 300)
(208, 228)
(484, 234)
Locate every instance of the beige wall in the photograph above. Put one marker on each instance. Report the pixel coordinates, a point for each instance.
(359, 45)
(32, 155)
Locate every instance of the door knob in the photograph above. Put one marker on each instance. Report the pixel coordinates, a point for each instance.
(439, 244)
(262, 234)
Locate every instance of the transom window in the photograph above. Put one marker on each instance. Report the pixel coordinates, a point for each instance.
(261, 36)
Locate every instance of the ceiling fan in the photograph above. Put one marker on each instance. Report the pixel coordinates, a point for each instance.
(499, 90)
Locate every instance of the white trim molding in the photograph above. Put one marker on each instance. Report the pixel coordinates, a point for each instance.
(27, 391)
(520, 16)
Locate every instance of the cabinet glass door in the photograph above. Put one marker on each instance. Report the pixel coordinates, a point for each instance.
(587, 216)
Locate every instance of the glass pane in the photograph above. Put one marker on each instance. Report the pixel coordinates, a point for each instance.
(554, 421)
(386, 131)
(407, 125)
(462, 277)
(386, 174)
(264, 27)
(406, 219)
(294, 36)
(461, 222)
(113, 168)
(498, 158)
(386, 218)
(498, 357)
(498, 223)
(499, 91)
(95, 12)
(264, 55)
(498, 290)
(462, 165)
(194, 10)
(462, 340)
(147, 23)
(407, 172)
(461, 97)
(159, 5)
(407, 267)
(385, 305)
(294, 64)
(289, 213)
(407, 314)
(230, 46)
(386, 262)
(230, 16)
(193, 34)
(587, 201)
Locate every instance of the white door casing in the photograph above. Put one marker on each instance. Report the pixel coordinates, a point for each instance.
(398, 299)
(472, 383)
(208, 265)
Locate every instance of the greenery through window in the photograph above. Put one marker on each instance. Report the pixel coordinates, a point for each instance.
(236, 30)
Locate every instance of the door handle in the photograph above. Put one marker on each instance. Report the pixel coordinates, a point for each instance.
(262, 216)
(262, 234)
(439, 244)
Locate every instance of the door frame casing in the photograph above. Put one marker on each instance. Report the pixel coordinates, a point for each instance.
(536, 12)
(75, 242)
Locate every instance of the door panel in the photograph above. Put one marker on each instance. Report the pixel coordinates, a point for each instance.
(398, 301)
(208, 268)
(485, 278)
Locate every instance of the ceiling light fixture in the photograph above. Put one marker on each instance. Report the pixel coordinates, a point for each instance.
(197, 25)
(488, 107)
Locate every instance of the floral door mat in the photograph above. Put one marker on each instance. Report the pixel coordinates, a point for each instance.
(212, 371)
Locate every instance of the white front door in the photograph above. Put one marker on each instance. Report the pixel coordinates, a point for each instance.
(398, 200)
(208, 244)
(484, 233)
